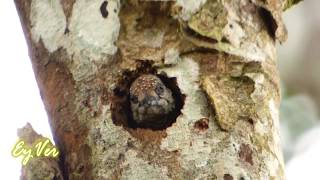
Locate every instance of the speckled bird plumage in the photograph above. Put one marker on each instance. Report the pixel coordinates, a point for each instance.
(150, 100)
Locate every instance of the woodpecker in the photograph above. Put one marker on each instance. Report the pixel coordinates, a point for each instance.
(150, 100)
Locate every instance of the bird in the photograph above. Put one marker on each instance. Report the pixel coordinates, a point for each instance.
(151, 101)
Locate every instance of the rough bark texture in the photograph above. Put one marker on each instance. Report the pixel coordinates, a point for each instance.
(41, 167)
(218, 56)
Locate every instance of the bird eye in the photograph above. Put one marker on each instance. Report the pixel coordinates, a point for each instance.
(134, 99)
(159, 89)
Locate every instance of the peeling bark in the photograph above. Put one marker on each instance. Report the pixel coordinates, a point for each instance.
(218, 57)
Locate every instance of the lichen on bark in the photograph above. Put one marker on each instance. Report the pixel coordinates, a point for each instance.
(40, 167)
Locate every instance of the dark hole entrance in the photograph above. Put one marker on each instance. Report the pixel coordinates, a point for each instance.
(269, 21)
(120, 102)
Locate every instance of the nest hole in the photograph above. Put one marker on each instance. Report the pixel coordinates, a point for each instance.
(120, 101)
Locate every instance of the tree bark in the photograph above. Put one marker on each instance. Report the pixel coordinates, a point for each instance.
(217, 56)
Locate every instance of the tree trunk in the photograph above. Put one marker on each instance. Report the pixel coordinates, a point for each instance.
(217, 57)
